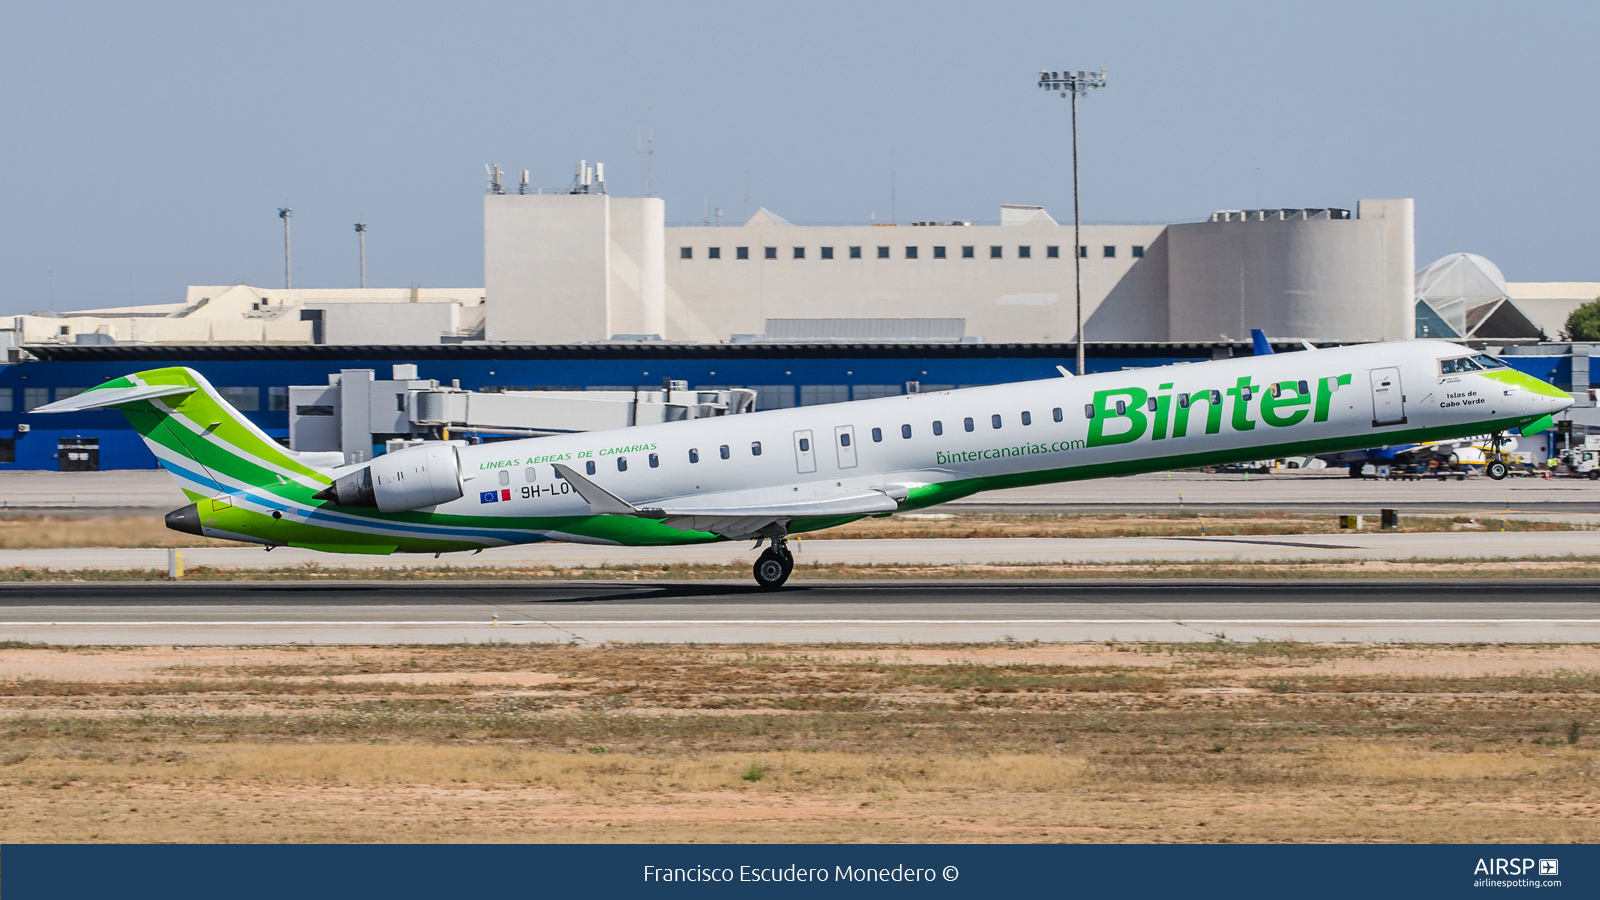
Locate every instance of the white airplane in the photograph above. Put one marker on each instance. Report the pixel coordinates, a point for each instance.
(765, 476)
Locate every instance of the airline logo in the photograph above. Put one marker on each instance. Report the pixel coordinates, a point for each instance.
(494, 496)
(1124, 415)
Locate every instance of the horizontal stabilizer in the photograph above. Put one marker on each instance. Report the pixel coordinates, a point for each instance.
(100, 398)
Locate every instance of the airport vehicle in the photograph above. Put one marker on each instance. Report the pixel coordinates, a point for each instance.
(1584, 461)
(1461, 454)
(767, 475)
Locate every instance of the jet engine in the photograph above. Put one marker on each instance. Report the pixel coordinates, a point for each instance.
(412, 478)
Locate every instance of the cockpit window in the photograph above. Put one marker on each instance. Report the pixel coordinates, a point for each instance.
(1488, 362)
(1455, 366)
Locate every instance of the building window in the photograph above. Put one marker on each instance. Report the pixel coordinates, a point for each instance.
(967, 423)
(994, 421)
(694, 456)
(855, 252)
(911, 253)
(938, 253)
(655, 462)
(5, 399)
(874, 391)
(755, 448)
(969, 252)
(1024, 253)
(1052, 252)
(713, 253)
(773, 396)
(883, 252)
(8, 450)
(1108, 252)
(1056, 414)
(772, 253)
(1027, 417)
(1138, 251)
(905, 431)
(317, 409)
(818, 394)
(827, 252)
(938, 427)
(63, 393)
(877, 435)
(33, 398)
(994, 252)
(723, 451)
(1083, 252)
(277, 399)
(741, 253)
(244, 399)
(589, 467)
(686, 253)
(799, 253)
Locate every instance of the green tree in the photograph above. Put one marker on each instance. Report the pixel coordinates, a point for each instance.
(1584, 323)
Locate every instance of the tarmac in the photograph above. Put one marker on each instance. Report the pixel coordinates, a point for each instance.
(931, 552)
(591, 613)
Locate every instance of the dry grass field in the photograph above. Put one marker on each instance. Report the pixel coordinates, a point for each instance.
(1012, 742)
(20, 530)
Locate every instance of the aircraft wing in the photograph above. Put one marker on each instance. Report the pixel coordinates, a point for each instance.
(765, 516)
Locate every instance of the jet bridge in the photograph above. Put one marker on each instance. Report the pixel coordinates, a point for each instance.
(356, 413)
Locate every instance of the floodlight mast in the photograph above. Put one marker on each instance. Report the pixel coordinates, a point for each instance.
(284, 213)
(361, 234)
(1072, 84)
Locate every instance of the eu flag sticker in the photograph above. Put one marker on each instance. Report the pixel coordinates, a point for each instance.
(489, 497)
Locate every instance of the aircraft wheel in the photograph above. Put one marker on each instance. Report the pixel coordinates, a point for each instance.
(772, 570)
(1497, 470)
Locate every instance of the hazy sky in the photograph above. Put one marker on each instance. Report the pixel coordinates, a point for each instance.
(145, 147)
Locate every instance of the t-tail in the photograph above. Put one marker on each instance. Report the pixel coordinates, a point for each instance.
(218, 456)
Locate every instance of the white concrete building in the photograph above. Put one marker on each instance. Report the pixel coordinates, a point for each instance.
(561, 268)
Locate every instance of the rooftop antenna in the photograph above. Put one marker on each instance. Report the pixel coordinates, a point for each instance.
(494, 178)
(361, 234)
(894, 216)
(650, 155)
(284, 213)
(600, 177)
(522, 187)
(719, 217)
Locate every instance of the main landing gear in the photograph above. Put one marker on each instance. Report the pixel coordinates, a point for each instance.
(774, 565)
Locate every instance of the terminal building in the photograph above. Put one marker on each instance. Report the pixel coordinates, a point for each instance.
(588, 292)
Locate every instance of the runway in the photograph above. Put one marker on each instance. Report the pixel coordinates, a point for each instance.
(587, 613)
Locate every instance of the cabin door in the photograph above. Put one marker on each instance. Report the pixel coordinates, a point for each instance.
(1388, 401)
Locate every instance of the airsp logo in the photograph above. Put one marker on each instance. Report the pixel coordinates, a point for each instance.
(1549, 867)
(1501, 866)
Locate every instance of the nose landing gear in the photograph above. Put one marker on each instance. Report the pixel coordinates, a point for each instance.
(774, 565)
(1497, 468)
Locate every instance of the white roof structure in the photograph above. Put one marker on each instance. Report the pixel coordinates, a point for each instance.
(1465, 295)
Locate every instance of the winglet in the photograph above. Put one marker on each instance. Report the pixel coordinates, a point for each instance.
(1259, 344)
(1063, 371)
(601, 501)
(1307, 344)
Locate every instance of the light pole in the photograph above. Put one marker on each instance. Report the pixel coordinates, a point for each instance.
(361, 234)
(284, 213)
(1072, 84)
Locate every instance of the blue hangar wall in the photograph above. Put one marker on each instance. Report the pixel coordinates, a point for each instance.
(255, 377)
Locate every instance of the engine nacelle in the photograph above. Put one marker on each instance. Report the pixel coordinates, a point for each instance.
(412, 478)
